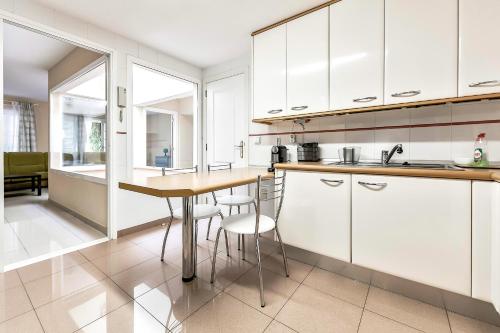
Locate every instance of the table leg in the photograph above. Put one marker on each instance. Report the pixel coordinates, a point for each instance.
(33, 184)
(188, 246)
(39, 182)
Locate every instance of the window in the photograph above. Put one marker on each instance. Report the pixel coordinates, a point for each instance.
(164, 119)
(78, 121)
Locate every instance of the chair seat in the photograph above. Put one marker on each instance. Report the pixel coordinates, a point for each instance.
(200, 211)
(245, 223)
(235, 200)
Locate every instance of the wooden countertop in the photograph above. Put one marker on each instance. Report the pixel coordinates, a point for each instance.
(189, 184)
(470, 174)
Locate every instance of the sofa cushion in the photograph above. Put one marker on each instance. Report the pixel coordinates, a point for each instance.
(6, 169)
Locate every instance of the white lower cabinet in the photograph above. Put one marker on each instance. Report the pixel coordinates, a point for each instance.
(316, 213)
(495, 249)
(414, 228)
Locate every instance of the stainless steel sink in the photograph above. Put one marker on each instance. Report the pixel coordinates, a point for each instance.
(409, 165)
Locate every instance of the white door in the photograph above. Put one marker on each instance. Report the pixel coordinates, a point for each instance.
(421, 48)
(316, 213)
(479, 71)
(356, 54)
(269, 73)
(227, 121)
(307, 63)
(415, 228)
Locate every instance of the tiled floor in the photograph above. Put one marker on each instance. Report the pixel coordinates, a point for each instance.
(35, 227)
(121, 286)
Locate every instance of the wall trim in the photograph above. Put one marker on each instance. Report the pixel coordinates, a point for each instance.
(144, 226)
(81, 217)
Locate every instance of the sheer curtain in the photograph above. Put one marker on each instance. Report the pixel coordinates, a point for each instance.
(10, 128)
(27, 126)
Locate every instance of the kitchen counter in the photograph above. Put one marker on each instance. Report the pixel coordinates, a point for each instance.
(470, 174)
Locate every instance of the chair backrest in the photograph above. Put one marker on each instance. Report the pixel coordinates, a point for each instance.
(220, 166)
(270, 189)
(179, 170)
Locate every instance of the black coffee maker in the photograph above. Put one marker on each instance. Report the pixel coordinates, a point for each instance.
(279, 154)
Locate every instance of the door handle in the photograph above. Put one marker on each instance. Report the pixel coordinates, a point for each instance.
(364, 99)
(489, 83)
(332, 182)
(240, 147)
(410, 93)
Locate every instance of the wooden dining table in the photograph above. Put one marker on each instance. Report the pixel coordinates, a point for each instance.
(187, 186)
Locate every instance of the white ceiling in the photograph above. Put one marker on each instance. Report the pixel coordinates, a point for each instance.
(202, 32)
(27, 58)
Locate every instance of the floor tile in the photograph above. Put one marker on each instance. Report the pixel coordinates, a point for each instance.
(145, 276)
(81, 308)
(227, 270)
(277, 290)
(298, 271)
(144, 235)
(374, 323)
(65, 282)
(461, 324)
(277, 327)
(105, 248)
(130, 318)
(119, 261)
(173, 301)
(50, 266)
(14, 256)
(346, 289)
(310, 310)
(13, 302)
(224, 313)
(413, 313)
(175, 256)
(25, 323)
(9, 280)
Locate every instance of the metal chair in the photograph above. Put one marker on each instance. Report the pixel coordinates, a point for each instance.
(230, 200)
(200, 211)
(255, 223)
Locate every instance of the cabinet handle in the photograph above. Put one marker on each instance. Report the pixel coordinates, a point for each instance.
(364, 99)
(275, 111)
(484, 84)
(372, 184)
(299, 108)
(332, 182)
(409, 93)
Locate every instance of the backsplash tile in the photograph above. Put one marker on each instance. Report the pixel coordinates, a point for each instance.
(419, 142)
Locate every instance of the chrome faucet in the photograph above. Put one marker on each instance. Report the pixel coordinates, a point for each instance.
(386, 155)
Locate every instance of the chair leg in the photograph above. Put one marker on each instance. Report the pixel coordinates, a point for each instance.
(285, 260)
(215, 255)
(239, 245)
(227, 243)
(230, 210)
(239, 209)
(209, 224)
(165, 238)
(243, 246)
(261, 283)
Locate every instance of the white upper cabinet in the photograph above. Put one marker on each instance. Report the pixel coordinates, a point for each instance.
(421, 50)
(269, 73)
(307, 63)
(356, 54)
(479, 71)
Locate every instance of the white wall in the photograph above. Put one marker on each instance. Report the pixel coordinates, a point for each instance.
(57, 22)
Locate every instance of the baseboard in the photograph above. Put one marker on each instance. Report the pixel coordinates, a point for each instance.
(143, 226)
(91, 223)
(457, 303)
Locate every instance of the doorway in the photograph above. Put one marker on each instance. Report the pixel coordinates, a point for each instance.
(50, 87)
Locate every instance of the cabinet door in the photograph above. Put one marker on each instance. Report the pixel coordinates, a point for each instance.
(415, 228)
(356, 54)
(495, 250)
(269, 69)
(421, 50)
(316, 213)
(307, 63)
(479, 68)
